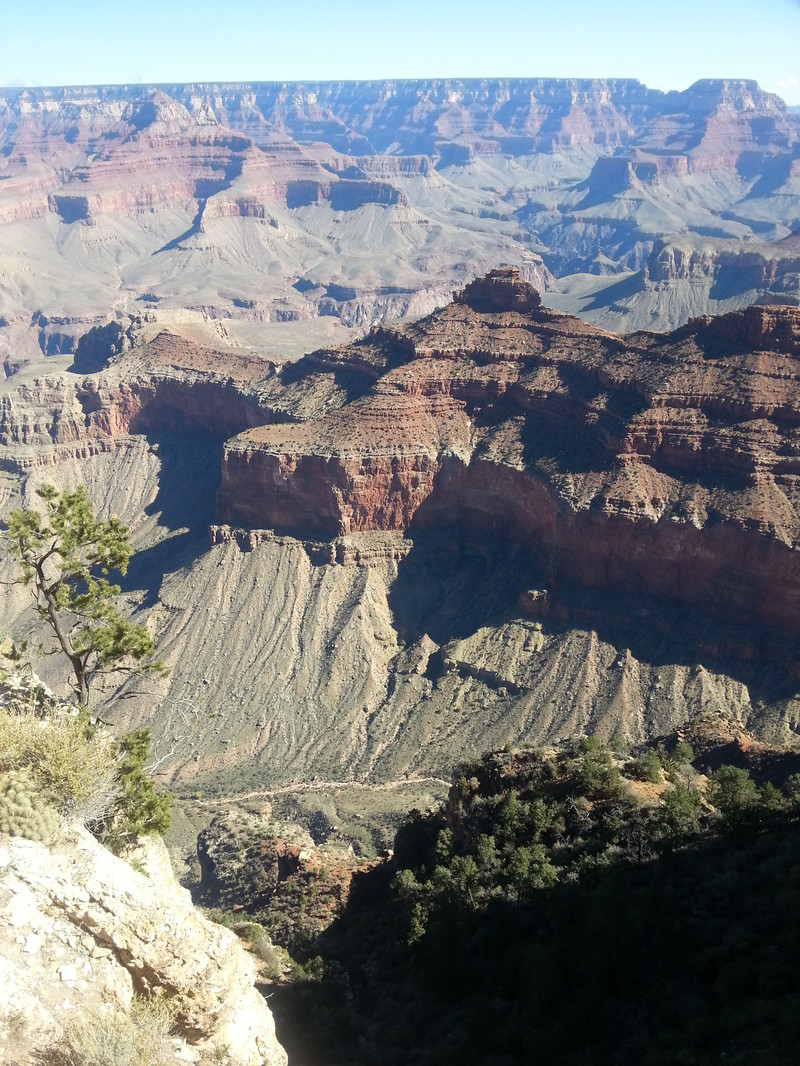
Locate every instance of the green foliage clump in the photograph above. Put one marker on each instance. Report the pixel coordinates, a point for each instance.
(647, 767)
(545, 915)
(24, 810)
(139, 809)
(734, 793)
(682, 808)
(599, 777)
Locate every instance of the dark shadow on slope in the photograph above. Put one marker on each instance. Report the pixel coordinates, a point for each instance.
(661, 632)
(569, 975)
(187, 488)
(557, 445)
(624, 289)
(192, 231)
(773, 174)
(454, 581)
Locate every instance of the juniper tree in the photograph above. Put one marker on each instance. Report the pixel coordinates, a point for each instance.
(66, 555)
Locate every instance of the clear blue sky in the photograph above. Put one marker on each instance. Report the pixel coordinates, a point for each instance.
(667, 45)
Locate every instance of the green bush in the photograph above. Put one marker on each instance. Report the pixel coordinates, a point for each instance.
(24, 810)
(599, 778)
(647, 767)
(682, 807)
(139, 809)
(733, 792)
(249, 931)
(681, 754)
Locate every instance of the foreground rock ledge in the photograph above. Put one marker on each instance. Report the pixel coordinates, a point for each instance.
(81, 931)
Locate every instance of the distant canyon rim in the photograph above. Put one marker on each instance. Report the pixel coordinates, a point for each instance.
(285, 216)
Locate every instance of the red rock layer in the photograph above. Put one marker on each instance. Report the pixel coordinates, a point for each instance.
(658, 464)
(170, 385)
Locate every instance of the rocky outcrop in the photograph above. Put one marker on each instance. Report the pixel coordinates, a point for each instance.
(500, 290)
(102, 343)
(730, 269)
(83, 930)
(658, 465)
(167, 386)
(662, 466)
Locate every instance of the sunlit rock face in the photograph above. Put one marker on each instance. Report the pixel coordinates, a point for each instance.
(287, 216)
(83, 930)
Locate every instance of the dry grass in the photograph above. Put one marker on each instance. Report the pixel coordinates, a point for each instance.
(141, 1038)
(78, 774)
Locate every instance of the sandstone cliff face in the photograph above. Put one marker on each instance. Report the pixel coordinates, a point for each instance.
(661, 465)
(82, 931)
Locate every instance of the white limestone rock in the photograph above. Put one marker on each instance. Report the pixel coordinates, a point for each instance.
(80, 929)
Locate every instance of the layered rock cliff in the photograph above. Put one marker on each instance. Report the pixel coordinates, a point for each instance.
(657, 465)
(497, 524)
(236, 207)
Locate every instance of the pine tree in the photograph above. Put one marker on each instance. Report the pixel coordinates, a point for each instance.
(65, 556)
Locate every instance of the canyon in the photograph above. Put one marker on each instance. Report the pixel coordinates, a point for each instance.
(280, 217)
(496, 524)
(377, 530)
(445, 416)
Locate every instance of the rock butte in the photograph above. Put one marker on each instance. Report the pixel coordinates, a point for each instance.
(658, 464)
(497, 524)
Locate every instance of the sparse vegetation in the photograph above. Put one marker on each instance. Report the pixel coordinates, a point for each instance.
(65, 556)
(79, 773)
(139, 1038)
(139, 808)
(71, 766)
(647, 767)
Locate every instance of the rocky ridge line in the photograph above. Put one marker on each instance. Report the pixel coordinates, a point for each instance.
(658, 465)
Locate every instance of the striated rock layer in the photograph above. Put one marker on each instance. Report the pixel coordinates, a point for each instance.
(658, 465)
(497, 524)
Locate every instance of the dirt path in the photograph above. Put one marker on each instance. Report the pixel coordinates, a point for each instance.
(321, 786)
